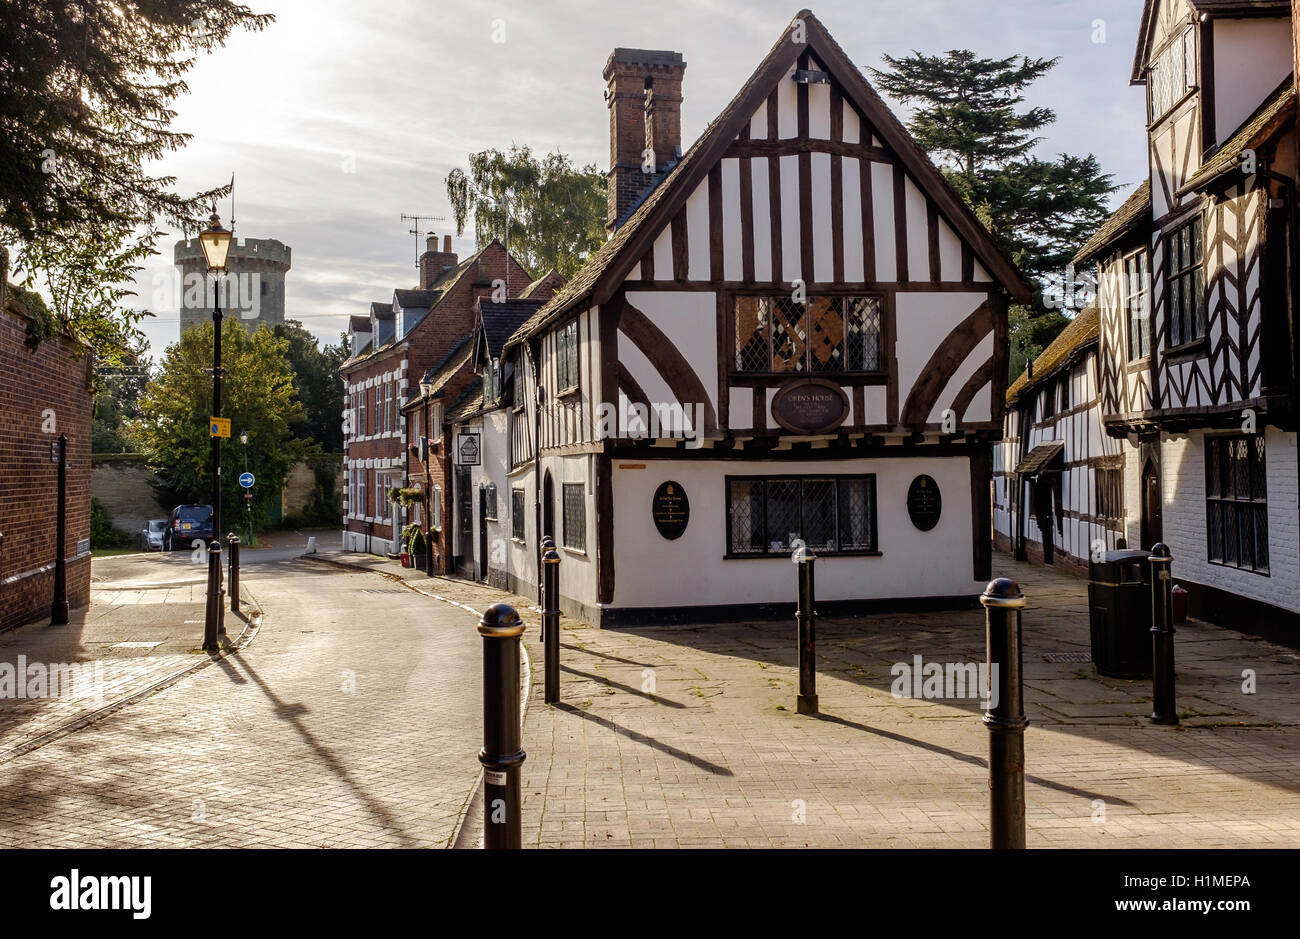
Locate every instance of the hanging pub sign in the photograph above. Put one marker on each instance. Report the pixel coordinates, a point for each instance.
(924, 503)
(467, 449)
(670, 509)
(810, 406)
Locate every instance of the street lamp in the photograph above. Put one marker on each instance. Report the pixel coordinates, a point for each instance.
(426, 391)
(215, 242)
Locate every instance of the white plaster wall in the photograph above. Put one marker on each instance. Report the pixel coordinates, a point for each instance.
(923, 317)
(577, 567)
(692, 570)
(1182, 467)
(1251, 57)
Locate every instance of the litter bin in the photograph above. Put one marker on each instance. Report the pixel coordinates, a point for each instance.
(1119, 607)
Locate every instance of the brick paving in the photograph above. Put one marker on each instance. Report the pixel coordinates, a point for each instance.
(352, 720)
(687, 737)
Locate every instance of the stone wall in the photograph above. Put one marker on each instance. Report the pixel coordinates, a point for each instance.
(123, 484)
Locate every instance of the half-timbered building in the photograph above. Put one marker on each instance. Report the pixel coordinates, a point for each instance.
(795, 336)
(1058, 477)
(1197, 338)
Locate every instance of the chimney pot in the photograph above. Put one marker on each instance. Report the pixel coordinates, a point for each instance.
(446, 244)
(431, 243)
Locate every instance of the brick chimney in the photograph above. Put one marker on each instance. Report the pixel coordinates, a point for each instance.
(644, 95)
(433, 262)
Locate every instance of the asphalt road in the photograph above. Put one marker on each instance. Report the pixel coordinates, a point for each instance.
(353, 719)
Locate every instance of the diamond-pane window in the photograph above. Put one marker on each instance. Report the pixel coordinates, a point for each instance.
(1236, 502)
(826, 335)
(828, 514)
(575, 517)
(789, 337)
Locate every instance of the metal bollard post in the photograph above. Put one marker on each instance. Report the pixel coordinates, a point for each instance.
(1005, 720)
(546, 544)
(1163, 708)
(551, 622)
(502, 753)
(233, 541)
(806, 616)
(212, 615)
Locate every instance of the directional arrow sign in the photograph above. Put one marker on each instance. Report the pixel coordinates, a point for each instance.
(246, 480)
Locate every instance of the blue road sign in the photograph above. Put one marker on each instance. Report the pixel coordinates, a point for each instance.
(246, 480)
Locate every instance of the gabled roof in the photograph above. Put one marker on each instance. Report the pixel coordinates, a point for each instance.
(379, 308)
(607, 267)
(1078, 333)
(358, 324)
(1276, 113)
(1135, 212)
(501, 320)
(419, 299)
(551, 278)
(1225, 8)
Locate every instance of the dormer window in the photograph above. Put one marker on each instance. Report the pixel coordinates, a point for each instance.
(1172, 75)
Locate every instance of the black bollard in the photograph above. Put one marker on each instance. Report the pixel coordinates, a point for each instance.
(502, 752)
(546, 544)
(1005, 720)
(551, 622)
(1163, 709)
(59, 605)
(212, 615)
(233, 540)
(806, 702)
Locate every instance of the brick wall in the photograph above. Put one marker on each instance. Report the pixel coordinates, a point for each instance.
(42, 394)
(123, 486)
(1182, 465)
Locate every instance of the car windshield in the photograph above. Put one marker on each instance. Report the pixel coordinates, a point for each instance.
(194, 513)
(158, 524)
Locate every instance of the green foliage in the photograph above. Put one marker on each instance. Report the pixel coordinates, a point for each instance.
(319, 384)
(117, 401)
(968, 116)
(88, 89)
(548, 212)
(87, 275)
(417, 544)
(102, 532)
(324, 509)
(257, 395)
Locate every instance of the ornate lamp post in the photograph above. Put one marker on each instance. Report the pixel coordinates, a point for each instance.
(215, 242)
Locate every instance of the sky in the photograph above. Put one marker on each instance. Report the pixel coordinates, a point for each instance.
(341, 116)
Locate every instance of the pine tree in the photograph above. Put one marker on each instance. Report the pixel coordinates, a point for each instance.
(968, 115)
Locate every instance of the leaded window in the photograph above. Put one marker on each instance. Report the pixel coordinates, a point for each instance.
(575, 517)
(1137, 311)
(1185, 285)
(517, 514)
(1172, 75)
(490, 501)
(825, 335)
(1110, 494)
(566, 357)
(774, 515)
(1236, 503)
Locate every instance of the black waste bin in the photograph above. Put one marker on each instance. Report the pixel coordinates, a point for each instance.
(1119, 608)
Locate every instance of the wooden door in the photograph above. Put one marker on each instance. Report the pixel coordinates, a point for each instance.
(1152, 526)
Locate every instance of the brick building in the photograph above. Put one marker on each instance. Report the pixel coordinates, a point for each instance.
(392, 348)
(43, 393)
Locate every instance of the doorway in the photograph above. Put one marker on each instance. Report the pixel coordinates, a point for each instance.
(1152, 524)
(548, 508)
(482, 534)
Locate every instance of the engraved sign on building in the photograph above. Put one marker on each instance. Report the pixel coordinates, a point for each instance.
(810, 406)
(671, 510)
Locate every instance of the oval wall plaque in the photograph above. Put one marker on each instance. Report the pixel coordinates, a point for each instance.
(670, 509)
(810, 406)
(924, 502)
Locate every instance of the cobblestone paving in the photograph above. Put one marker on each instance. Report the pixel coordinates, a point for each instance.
(352, 720)
(688, 737)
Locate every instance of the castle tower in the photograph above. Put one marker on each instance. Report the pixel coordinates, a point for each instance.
(252, 291)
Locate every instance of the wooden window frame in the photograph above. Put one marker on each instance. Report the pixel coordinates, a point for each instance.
(735, 371)
(1231, 505)
(518, 515)
(568, 354)
(1141, 260)
(570, 539)
(874, 539)
(1181, 275)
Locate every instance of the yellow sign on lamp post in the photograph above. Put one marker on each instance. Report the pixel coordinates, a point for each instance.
(218, 427)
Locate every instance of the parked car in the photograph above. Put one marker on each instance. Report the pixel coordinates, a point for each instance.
(185, 524)
(151, 536)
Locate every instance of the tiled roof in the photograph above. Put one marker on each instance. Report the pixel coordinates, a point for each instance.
(450, 366)
(692, 167)
(359, 324)
(1081, 329)
(1277, 111)
(379, 308)
(500, 320)
(1135, 211)
(1039, 458)
(551, 276)
(468, 403)
(407, 299)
